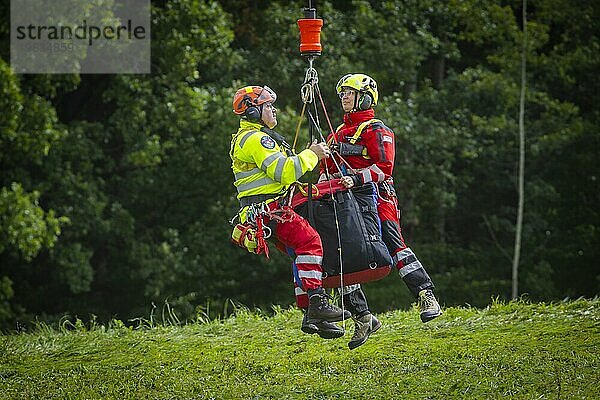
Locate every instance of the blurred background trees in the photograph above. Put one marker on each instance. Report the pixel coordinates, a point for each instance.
(115, 190)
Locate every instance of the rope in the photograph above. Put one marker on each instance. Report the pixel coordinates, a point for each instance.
(298, 129)
(307, 93)
(325, 112)
(333, 135)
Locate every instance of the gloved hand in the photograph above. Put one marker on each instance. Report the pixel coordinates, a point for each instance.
(351, 181)
(347, 149)
(320, 149)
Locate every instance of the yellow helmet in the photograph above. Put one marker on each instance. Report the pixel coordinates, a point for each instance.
(365, 85)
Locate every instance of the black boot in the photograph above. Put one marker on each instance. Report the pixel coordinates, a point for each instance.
(325, 329)
(320, 309)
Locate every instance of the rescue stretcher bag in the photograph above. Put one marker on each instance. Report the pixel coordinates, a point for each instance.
(364, 255)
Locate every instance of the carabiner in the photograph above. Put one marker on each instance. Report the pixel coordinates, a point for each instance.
(267, 232)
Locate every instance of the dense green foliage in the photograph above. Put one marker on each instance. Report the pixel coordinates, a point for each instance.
(115, 190)
(514, 350)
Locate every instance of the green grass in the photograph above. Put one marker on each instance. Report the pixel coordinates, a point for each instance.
(513, 350)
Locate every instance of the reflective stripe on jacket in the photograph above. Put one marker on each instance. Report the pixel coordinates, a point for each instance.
(261, 166)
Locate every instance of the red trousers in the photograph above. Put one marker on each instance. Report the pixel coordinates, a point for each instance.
(302, 242)
(387, 208)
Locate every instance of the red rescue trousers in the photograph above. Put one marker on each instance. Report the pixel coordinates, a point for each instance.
(387, 209)
(302, 242)
(403, 257)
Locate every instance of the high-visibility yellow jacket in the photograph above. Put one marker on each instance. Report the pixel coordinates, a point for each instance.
(261, 166)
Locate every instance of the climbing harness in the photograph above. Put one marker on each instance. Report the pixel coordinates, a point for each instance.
(252, 234)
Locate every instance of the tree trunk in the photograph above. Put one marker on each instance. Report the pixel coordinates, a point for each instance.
(521, 178)
(438, 70)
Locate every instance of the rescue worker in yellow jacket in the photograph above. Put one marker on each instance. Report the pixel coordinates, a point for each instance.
(264, 168)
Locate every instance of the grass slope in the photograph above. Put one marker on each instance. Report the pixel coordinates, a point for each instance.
(513, 350)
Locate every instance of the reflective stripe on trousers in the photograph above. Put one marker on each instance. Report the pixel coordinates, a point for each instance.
(304, 244)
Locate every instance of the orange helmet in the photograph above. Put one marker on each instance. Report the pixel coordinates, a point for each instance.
(252, 96)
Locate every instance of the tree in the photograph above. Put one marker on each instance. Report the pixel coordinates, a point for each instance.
(116, 190)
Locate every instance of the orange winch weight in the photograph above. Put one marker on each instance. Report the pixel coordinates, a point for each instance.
(310, 36)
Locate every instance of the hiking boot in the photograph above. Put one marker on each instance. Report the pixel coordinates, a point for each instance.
(429, 306)
(320, 309)
(325, 329)
(363, 328)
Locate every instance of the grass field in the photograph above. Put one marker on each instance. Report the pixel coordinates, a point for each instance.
(508, 350)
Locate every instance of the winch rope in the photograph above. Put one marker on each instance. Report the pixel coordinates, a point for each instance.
(310, 47)
(309, 88)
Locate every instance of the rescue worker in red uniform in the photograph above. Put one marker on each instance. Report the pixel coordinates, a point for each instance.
(264, 169)
(367, 146)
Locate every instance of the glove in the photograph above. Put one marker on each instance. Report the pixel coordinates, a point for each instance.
(356, 181)
(347, 149)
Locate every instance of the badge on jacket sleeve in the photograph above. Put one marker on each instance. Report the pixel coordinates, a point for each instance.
(267, 142)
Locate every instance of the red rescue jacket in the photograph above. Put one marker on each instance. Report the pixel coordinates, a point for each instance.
(378, 140)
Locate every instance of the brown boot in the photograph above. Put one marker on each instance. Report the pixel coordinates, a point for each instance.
(363, 327)
(429, 306)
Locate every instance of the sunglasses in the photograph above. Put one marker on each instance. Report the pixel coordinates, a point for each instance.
(346, 93)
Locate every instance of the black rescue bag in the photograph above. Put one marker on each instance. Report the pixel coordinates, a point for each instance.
(364, 254)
